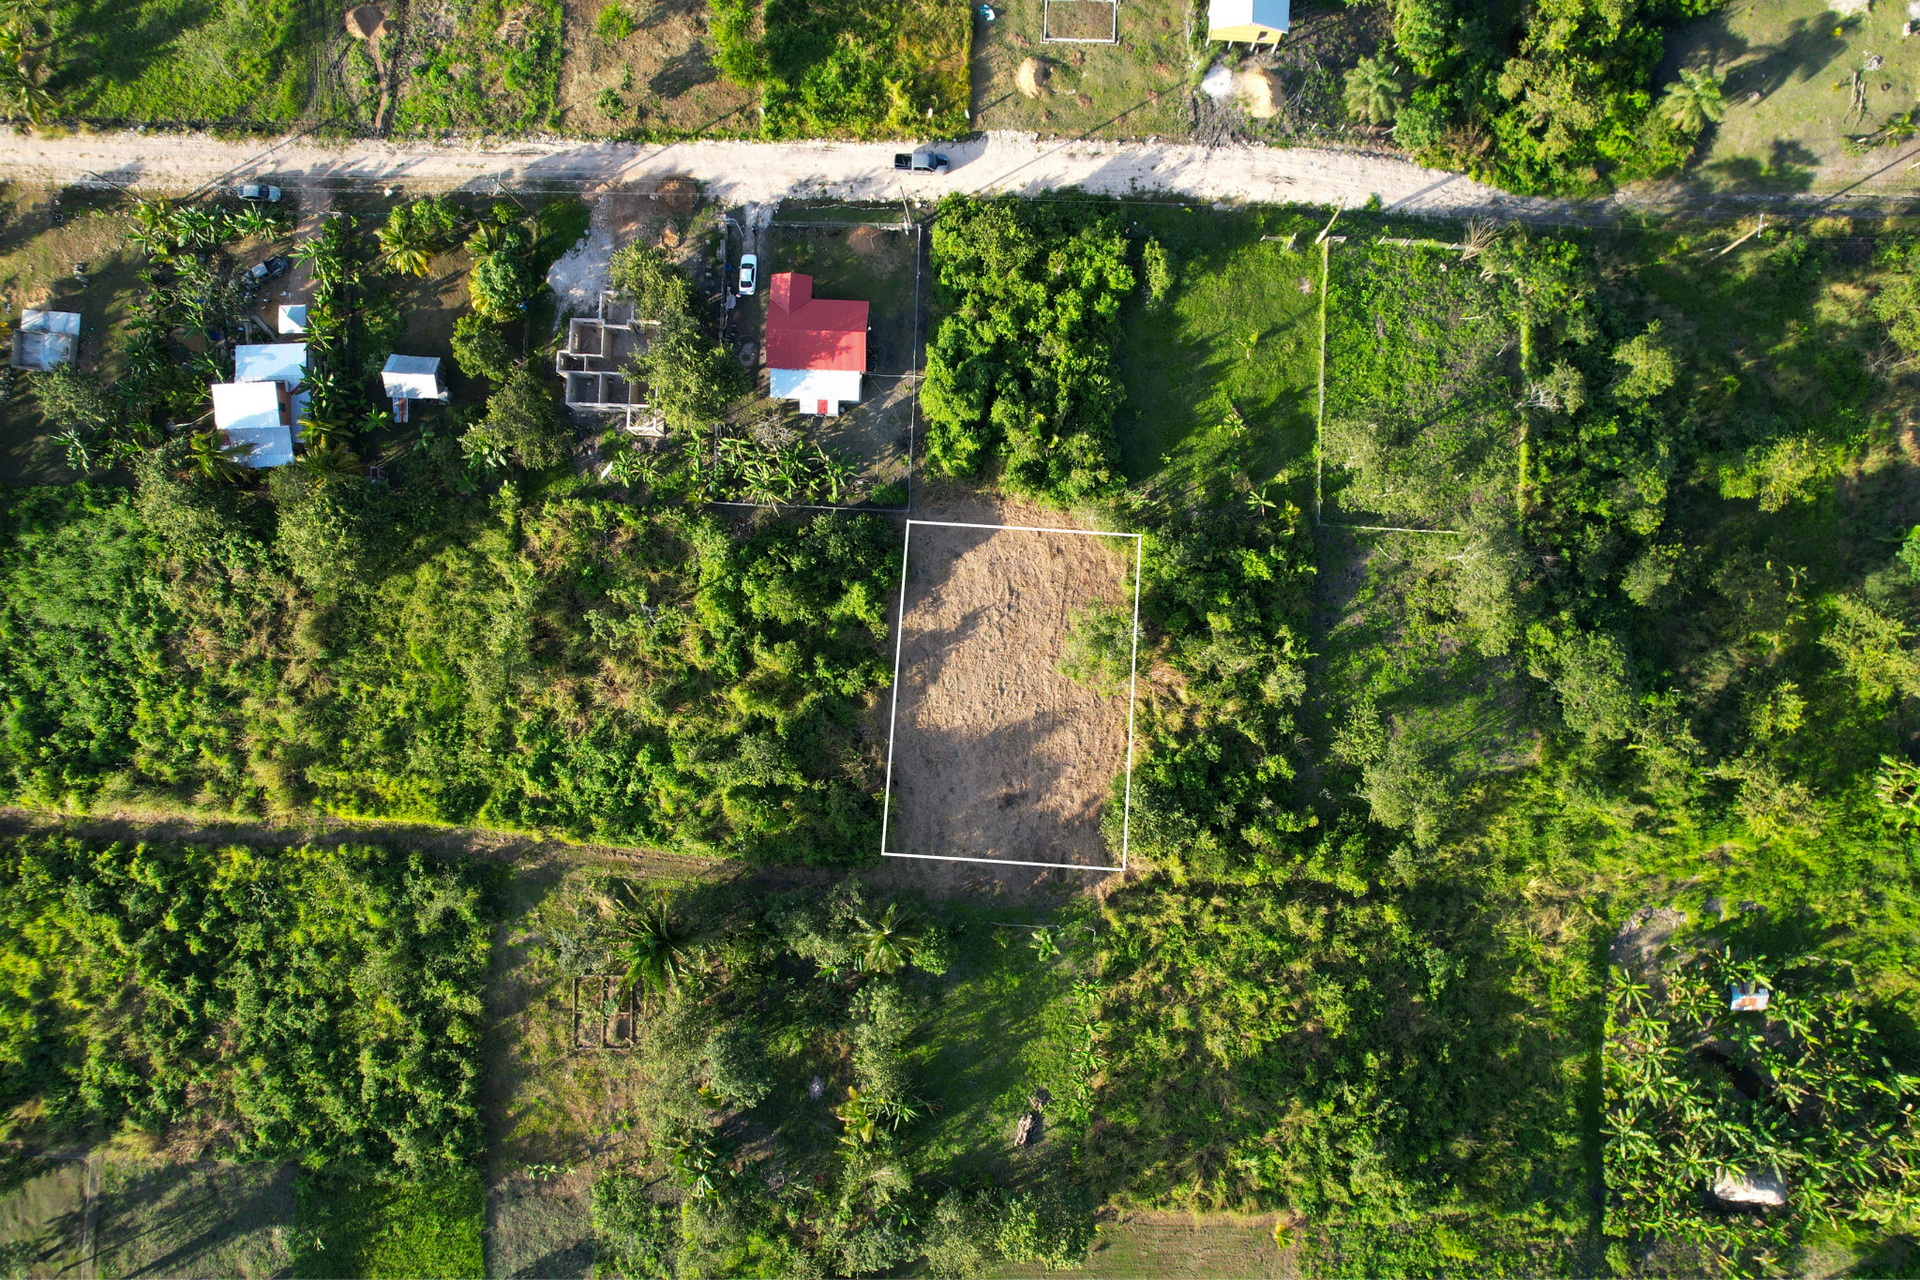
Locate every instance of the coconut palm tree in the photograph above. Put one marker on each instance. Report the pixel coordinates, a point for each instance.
(214, 460)
(884, 945)
(329, 462)
(657, 950)
(1374, 91)
(409, 245)
(1694, 100)
(321, 430)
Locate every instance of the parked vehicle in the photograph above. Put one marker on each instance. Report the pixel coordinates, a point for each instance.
(258, 191)
(920, 162)
(272, 269)
(749, 272)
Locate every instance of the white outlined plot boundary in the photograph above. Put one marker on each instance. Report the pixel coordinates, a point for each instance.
(1133, 676)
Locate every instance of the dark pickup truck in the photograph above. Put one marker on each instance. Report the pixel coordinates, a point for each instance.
(920, 162)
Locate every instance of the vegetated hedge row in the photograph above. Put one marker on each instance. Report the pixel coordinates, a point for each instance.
(313, 1004)
(650, 676)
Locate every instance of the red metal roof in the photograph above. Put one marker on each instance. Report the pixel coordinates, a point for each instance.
(805, 332)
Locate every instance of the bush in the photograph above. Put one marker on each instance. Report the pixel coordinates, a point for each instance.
(737, 1067)
(500, 285)
(614, 23)
(480, 349)
(1022, 366)
(634, 1237)
(522, 423)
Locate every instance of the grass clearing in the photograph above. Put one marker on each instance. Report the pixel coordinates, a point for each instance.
(198, 1219)
(178, 63)
(656, 80)
(1789, 66)
(1124, 90)
(396, 1231)
(40, 1217)
(1222, 375)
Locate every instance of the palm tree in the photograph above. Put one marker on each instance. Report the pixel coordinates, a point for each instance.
(1694, 100)
(330, 462)
(321, 430)
(217, 461)
(488, 239)
(1374, 91)
(409, 246)
(883, 945)
(657, 950)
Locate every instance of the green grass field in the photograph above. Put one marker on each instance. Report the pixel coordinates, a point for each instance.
(1222, 376)
(1788, 66)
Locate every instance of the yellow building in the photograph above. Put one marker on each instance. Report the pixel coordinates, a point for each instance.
(1247, 21)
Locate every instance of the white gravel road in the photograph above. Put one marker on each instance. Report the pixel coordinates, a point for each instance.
(752, 172)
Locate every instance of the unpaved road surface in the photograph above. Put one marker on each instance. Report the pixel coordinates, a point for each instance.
(765, 172)
(755, 172)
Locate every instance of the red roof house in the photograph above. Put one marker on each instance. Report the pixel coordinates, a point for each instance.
(816, 347)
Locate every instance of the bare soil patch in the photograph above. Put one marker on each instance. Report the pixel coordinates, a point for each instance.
(997, 755)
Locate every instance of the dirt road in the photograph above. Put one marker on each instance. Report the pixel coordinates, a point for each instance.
(748, 172)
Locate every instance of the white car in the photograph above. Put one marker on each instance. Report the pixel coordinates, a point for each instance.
(259, 191)
(749, 272)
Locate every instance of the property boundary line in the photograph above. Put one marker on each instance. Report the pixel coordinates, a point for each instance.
(1133, 677)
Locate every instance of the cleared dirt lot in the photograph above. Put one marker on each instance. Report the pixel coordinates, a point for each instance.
(995, 753)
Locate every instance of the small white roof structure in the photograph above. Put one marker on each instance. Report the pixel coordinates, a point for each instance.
(820, 391)
(270, 362)
(249, 413)
(1254, 21)
(44, 339)
(293, 319)
(413, 378)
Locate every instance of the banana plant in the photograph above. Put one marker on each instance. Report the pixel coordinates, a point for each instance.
(216, 461)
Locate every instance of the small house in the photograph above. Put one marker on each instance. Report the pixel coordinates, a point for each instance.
(816, 347)
(293, 319)
(257, 413)
(409, 378)
(1248, 21)
(44, 339)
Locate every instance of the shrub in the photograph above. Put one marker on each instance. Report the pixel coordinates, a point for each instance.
(634, 1237)
(522, 423)
(614, 23)
(480, 349)
(1022, 366)
(500, 285)
(737, 1067)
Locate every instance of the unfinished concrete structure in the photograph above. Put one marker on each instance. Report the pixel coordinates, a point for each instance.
(592, 365)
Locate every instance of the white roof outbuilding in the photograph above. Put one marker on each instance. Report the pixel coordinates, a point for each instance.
(413, 378)
(1252, 21)
(255, 413)
(293, 319)
(820, 391)
(270, 362)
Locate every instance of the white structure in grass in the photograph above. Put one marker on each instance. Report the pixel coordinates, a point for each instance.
(44, 339)
(409, 378)
(263, 404)
(893, 716)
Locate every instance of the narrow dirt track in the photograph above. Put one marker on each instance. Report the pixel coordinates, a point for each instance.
(444, 841)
